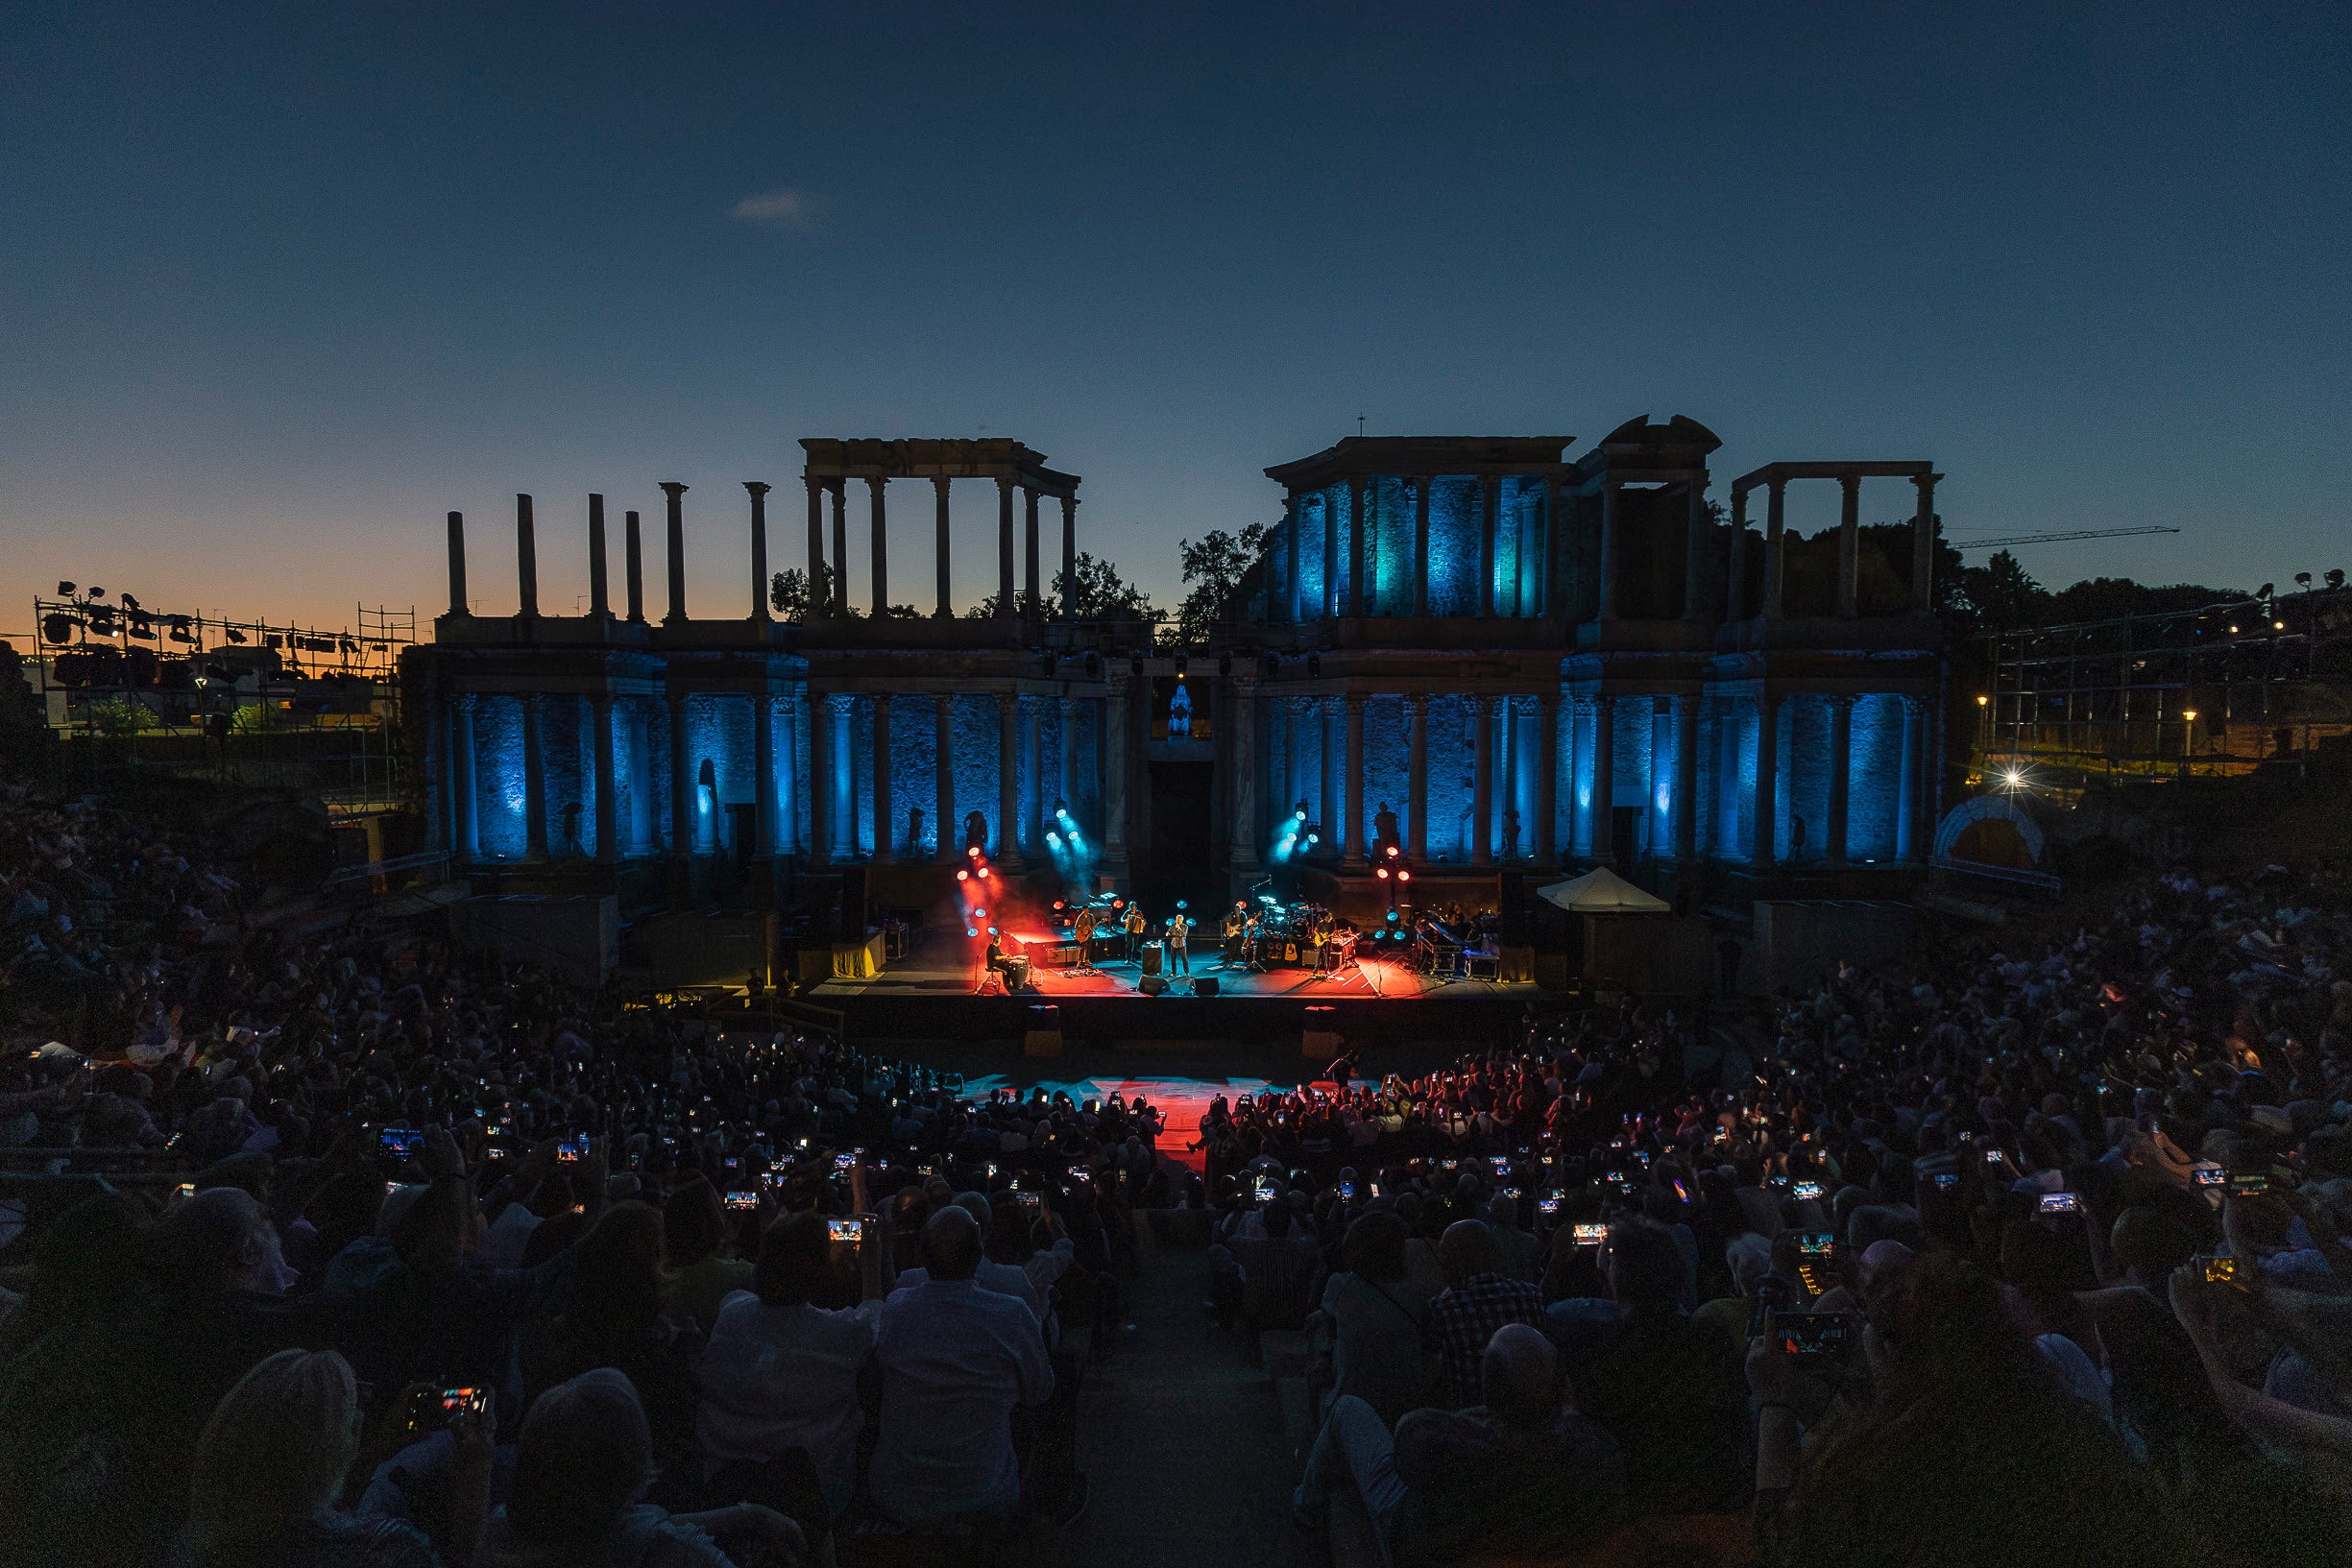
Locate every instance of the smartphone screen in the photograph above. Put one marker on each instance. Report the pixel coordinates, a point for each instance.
(1591, 1235)
(1806, 1189)
(852, 1231)
(743, 1202)
(1812, 1336)
(2061, 1203)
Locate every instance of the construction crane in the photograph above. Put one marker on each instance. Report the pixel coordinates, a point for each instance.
(2050, 539)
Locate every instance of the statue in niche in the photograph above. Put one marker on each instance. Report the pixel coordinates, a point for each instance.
(976, 833)
(1383, 826)
(914, 829)
(1796, 836)
(1511, 833)
(1180, 713)
(571, 822)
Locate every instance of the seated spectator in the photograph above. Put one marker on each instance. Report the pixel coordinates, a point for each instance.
(781, 1373)
(1266, 1271)
(1478, 1299)
(701, 1273)
(271, 1462)
(956, 1361)
(1376, 1317)
(582, 1468)
(1004, 1278)
(1521, 1475)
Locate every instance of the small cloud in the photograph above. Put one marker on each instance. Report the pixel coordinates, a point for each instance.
(786, 208)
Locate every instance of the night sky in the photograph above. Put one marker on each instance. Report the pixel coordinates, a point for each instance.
(285, 284)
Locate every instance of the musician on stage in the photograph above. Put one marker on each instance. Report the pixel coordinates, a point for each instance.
(1319, 927)
(1232, 933)
(1177, 929)
(1083, 929)
(1135, 925)
(998, 963)
(1253, 932)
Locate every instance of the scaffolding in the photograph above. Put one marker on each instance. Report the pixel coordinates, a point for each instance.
(257, 703)
(2219, 688)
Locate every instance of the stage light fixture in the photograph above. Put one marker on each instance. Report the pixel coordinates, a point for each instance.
(1404, 875)
(971, 931)
(980, 914)
(983, 874)
(130, 603)
(65, 590)
(973, 851)
(1054, 839)
(964, 876)
(993, 931)
(1392, 851)
(1382, 874)
(1315, 838)
(98, 593)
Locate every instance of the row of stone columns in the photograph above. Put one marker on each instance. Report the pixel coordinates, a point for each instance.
(829, 595)
(1363, 499)
(527, 557)
(1912, 802)
(1849, 548)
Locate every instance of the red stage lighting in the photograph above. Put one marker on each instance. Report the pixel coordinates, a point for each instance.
(1404, 875)
(983, 873)
(1382, 874)
(1392, 851)
(973, 851)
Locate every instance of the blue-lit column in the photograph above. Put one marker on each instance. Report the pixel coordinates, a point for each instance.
(1294, 787)
(1067, 709)
(534, 783)
(1482, 781)
(682, 789)
(1416, 776)
(950, 833)
(1602, 813)
(1329, 710)
(1546, 845)
(1352, 814)
(1116, 769)
(1490, 499)
(1686, 776)
(820, 777)
(885, 815)
(1659, 832)
(608, 812)
(465, 786)
(1421, 563)
(1767, 809)
(1909, 815)
(763, 770)
(1033, 751)
(1292, 528)
(1841, 774)
(1359, 524)
(1008, 772)
(1331, 552)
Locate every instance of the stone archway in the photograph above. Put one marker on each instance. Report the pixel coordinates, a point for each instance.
(1991, 829)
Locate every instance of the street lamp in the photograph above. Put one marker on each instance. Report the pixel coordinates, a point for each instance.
(2187, 742)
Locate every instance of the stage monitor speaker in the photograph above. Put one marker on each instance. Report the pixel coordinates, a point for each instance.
(1151, 958)
(1151, 985)
(1512, 910)
(1205, 986)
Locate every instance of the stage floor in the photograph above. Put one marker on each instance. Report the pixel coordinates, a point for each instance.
(940, 968)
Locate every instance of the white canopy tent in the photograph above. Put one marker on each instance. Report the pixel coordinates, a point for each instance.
(1602, 892)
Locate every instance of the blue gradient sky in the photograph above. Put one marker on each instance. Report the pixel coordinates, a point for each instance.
(287, 283)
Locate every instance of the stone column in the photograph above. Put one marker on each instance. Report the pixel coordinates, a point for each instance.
(1694, 550)
(1909, 818)
(682, 791)
(1353, 797)
(1291, 790)
(1546, 840)
(1482, 781)
(939, 551)
(1037, 589)
(1008, 771)
(1775, 497)
(608, 808)
(876, 516)
(886, 813)
(675, 492)
(1003, 551)
(943, 778)
(1331, 554)
(1420, 558)
(526, 559)
(1923, 546)
(1116, 768)
(457, 565)
(1416, 776)
(1735, 569)
(1686, 776)
(1292, 525)
(816, 610)
(633, 566)
(1609, 549)
(764, 774)
(759, 548)
(1841, 774)
(1032, 801)
(1848, 544)
(1507, 745)
(820, 777)
(1602, 809)
(1067, 709)
(1767, 804)
(534, 782)
(836, 597)
(599, 591)
(1359, 525)
(1069, 558)
(1329, 708)
(1490, 509)
(467, 836)
(1242, 816)
(1657, 824)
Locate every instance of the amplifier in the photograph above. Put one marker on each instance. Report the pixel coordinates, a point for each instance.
(1151, 985)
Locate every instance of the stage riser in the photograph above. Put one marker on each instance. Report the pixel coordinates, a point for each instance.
(1134, 1022)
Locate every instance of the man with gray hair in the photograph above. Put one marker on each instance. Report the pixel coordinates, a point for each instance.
(1478, 1299)
(1523, 1473)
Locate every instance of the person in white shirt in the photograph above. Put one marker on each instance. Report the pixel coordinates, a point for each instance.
(1007, 1278)
(779, 1373)
(956, 1361)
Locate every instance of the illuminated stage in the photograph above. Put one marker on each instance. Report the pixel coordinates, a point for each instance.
(934, 993)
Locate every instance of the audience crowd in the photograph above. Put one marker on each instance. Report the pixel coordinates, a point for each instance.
(2026, 1253)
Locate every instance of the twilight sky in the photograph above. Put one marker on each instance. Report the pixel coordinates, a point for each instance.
(286, 284)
